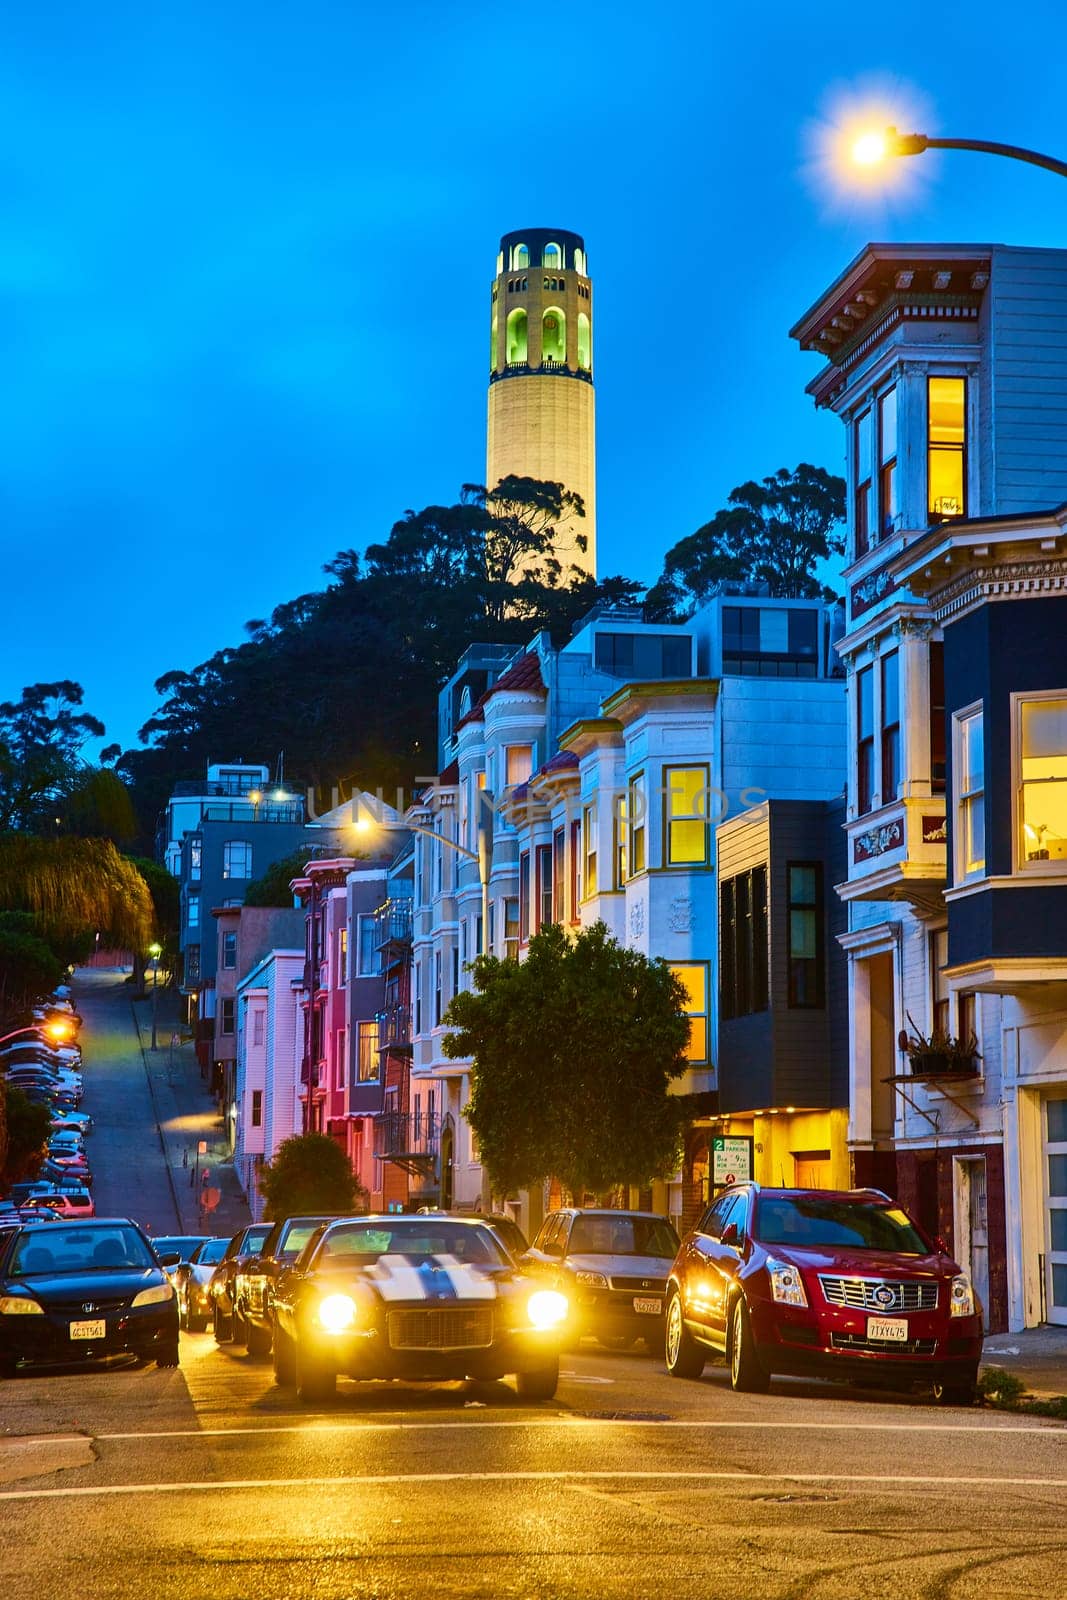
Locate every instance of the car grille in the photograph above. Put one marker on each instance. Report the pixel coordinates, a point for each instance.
(636, 1285)
(903, 1347)
(99, 1302)
(869, 1294)
(441, 1328)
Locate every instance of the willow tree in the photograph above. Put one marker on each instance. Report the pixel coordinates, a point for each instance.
(73, 886)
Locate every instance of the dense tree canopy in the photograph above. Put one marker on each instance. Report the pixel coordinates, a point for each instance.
(75, 886)
(773, 532)
(573, 1052)
(42, 735)
(345, 678)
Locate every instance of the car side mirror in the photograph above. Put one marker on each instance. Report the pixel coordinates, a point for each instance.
(730, 1235)
(170, 1260)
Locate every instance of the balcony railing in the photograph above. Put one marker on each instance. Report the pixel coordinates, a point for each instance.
(394, 1027)
(410, 1139)
(393, 923)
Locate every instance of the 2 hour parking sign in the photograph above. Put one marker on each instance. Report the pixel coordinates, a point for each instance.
(731, 1161)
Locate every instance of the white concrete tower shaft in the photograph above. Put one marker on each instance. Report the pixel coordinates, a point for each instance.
(542, 410)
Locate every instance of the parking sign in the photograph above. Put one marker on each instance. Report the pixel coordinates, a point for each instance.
(731, 1160)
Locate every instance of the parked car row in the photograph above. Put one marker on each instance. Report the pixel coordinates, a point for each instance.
(50, 1074)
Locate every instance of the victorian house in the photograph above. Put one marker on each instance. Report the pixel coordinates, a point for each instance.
(948, 366)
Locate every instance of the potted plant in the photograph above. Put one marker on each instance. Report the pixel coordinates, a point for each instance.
(939, 1054)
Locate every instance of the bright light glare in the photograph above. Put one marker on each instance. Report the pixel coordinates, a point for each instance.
(337, 1312)
(870, 148)
(849, 158)
(547, 1308)
(58, 1030)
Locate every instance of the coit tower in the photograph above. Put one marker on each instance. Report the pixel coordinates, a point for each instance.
(541, 401)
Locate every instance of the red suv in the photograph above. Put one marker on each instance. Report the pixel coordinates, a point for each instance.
(821, 1283)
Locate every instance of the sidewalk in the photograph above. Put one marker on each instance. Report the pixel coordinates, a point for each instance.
(1037, 1356)
(187, 1116)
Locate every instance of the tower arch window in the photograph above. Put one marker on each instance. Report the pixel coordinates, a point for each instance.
(552, 259)
(553, 334)
(494, 342)
(520, 256)
(579, 261)
(518, 340)
(585, 343)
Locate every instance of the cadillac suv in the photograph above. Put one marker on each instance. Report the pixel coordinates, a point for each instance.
(821, 1283)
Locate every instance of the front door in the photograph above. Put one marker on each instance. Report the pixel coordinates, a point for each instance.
(972, 1225)
(1055, 1131)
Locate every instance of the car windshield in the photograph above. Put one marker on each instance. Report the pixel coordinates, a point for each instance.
(855, 1224)
(298, 1236)
(79, 1249)
(622, 1236)
(418, 1237)
(182, 1245)
(210, 1252)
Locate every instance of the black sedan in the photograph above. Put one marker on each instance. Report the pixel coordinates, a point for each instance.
(77, 1291)
(255, 1280)
(423, 1298)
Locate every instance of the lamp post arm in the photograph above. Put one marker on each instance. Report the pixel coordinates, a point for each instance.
(913, 144)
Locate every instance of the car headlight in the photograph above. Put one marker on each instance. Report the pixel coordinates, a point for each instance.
(17, 1305)
(787, 1286)
(547, 1309)
(337, 1312)
(593, 1280)
(961, 1297)
(156, 1296)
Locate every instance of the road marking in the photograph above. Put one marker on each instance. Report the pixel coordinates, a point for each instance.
(392, 1479)
(565, 1421)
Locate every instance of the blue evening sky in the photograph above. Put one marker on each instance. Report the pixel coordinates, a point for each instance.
(246, 251)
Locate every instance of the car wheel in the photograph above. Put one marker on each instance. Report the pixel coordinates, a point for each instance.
(747, 1372)
(257, 1339)
(964, 1392)
(315, 1381)
(167, 1355)
(540, 1383)
(222, 1325)
(240, 1328)
(284, 1364)
(684, 1357)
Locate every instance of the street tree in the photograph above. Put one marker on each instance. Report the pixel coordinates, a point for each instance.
(310, 1173)
(24, 1128)
(573, 1053)
(75, 887)
(773, 532)
(29, 968)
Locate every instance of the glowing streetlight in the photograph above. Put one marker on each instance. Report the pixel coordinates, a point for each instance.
(873, 147)
(155, 951)
(56, 1030)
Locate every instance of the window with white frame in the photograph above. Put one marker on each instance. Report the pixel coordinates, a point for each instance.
(258, 1023)
(369, 954)
(236, 859)
(368, 1052)
(192, 911)
(519, 758)
(969, 765)
(940, 999)
(342, 957)
(1041, 741)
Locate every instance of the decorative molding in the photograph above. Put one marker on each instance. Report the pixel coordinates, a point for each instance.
(680, 914)
(870, 590)
(934, 830)
(637, 920)
(1012, 580)
(876, 841)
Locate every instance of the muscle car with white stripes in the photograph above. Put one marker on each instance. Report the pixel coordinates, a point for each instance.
(822, 1283)
(428, 1298)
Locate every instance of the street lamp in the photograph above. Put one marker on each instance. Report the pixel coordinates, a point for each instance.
(56, 1031)
(482, 857)
(155, 951)
(874, 146)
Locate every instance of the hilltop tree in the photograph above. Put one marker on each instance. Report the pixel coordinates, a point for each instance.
(42, 735)
(772, 532)
(573, 1053)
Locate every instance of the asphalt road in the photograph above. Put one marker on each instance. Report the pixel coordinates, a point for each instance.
(207, 1481)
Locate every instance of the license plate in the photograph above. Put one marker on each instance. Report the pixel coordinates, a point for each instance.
(650, 1307)
(893, 1330)
(88, 1330)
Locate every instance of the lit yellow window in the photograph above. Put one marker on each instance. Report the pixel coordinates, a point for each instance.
(1043, 768)
(693, 975)
(946, 447)
(686, 815)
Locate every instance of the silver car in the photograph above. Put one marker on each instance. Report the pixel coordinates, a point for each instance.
(613, 1267)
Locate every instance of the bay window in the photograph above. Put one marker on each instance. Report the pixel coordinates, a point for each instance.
(544, 885)
(946, 434)
(890, 667)
(864, 468)
(589, 851)
(969, 766)
(864, 739)
(887, 462)
(636, 815)
(693, 975)
(1041, 724)
(686, 816)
